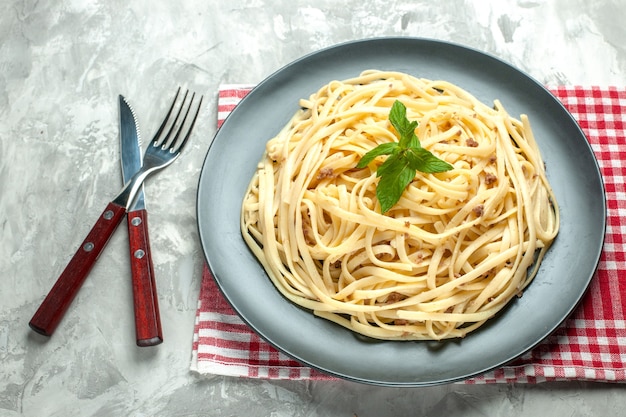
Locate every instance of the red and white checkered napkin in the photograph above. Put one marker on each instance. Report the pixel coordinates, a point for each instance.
(590, 345)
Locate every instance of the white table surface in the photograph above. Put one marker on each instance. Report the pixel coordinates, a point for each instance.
(63, 64)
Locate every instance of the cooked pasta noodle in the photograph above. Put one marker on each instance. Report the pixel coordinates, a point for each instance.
(454, 250)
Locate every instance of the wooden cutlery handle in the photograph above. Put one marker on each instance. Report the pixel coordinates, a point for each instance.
(146, 303)
(56, 303)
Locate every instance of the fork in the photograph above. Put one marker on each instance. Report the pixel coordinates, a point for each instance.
(164, 149)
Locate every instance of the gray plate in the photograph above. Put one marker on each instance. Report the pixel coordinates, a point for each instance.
(564, 274)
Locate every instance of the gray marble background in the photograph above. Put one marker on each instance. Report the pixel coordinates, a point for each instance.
(62, 65)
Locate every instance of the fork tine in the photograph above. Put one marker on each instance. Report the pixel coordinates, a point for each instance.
(167, 142)
(157, 135)
(175, 146)
(193, 123)
(172, 143)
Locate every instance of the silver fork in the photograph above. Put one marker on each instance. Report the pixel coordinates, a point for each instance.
(165, 147)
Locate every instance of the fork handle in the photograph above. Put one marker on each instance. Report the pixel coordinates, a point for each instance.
(58, 300)
(146, 304)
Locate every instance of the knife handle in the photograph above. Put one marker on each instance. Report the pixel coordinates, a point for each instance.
(146, 303)
(56, 303)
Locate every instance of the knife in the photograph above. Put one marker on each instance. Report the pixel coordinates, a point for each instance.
(146, 306)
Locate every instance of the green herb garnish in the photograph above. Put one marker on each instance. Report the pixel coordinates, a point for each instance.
(406, 157)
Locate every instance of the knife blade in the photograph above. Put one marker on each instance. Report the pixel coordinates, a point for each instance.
(146, 306)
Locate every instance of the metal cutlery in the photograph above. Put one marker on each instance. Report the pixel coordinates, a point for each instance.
(148, 329)
(164, 149)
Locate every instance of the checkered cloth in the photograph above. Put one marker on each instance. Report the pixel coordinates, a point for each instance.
(590, 345)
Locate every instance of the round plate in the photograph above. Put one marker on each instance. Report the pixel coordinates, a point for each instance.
(558, 287)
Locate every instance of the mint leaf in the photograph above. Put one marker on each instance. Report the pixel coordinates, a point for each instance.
(423, 160)
(413, 141)
(392, 184)
(389, 165)
(397, 117)
(382, 149)
(406, 129)
(406, 157)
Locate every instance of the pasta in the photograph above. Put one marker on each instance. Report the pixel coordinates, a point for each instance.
(454, 250)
